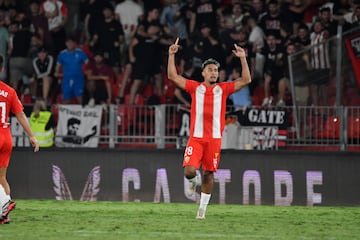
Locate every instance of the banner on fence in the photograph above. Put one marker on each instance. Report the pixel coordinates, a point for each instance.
(353, 47)
(78, 126)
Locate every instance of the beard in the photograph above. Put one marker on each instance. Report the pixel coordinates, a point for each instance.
(213, 81)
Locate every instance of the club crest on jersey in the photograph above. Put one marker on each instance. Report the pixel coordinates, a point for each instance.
(217, 90)
(187, 159)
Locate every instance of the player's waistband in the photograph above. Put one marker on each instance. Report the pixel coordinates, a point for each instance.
(4, 126)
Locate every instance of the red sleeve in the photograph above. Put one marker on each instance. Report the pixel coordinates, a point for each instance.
(228, 87)
(190, 85)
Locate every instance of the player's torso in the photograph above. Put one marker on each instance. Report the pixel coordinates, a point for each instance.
(208, 111)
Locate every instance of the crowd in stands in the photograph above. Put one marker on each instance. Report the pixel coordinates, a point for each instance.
(118, 50)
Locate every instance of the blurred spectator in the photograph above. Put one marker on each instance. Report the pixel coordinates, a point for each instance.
(12, 29)
(146, 57)
(108, 38)
(151, 17)
(293, 11)
(20, 66)
(300, 64)
(205, 12)
(69, 67)
(212, 44)
(312, 11)
(303, 36)
(98, 83)
(223, 77)
(235, 18)
(187, 13)
(320, 62)
(240, 38)
(274, 81)
(3, 20)
(4, 41)
(353, 18)
(256, 38)
(181, 96)
(94, 17)
(6, 5)
(56, 12)
(42, 124)
(129, 13)
(40, 25)
(241, 99)
(270, 22)
(327, 21)
(125, 77)
(196, 54)
(173, 20)
(341, 7)
(257, 9)
(41, 82)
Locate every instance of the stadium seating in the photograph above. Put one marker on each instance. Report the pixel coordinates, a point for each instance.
(353, 127)
(331, 128)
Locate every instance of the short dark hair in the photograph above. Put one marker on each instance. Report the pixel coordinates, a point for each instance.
(210, 61)
(325, 9)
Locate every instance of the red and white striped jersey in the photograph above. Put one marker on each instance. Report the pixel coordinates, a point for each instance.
(320, 58)
(208, 108)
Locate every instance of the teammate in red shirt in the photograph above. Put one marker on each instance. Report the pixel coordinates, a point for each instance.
(207, 119)
(9, 102)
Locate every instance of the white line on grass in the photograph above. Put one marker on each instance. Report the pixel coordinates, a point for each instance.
(198, 235)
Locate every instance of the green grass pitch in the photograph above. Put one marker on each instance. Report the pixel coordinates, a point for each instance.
(50, 219)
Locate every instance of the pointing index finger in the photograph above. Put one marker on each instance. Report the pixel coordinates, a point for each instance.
(177, 41)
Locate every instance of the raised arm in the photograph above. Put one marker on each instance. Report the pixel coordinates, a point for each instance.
(245, 73)
(171, 68)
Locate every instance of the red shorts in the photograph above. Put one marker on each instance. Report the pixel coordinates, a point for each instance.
(205, 152)
(5, 147)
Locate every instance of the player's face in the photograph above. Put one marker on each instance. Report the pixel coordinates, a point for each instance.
(210, 74)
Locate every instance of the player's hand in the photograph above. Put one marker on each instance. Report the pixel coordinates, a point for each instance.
(34, 142)
(239, 51)
(174, 47)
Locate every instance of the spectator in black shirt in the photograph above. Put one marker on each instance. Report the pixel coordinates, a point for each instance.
(302, 37)
(328, 23)
(205, 11)
(274, 81)
(271, 21)
(145, 54)
(108, 38)
(20, 65)
(43, 66)
(93, 17)
(196, 54)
